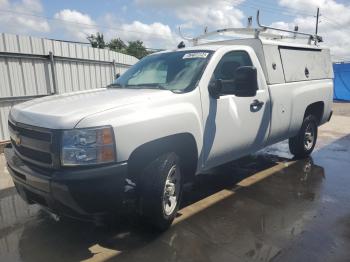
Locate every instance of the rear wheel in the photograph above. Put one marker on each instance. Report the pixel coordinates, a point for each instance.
(161, 190)
(304, 142)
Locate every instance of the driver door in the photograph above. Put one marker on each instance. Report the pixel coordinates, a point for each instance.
(235, 126)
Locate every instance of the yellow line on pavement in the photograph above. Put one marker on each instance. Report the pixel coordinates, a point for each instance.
(265, 173)
(211, 200)
(202, 204)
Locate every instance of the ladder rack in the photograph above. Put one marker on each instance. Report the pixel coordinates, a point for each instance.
(311, 37)
(261, 31)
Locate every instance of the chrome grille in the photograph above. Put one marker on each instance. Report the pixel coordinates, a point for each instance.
(32, 144)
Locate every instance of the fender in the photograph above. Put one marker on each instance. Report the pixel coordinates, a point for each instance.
(137, 125)
(308, 93)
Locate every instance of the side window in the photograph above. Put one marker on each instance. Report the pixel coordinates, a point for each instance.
(227, 66)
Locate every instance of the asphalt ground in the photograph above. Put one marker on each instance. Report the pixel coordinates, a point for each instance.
(265, 207)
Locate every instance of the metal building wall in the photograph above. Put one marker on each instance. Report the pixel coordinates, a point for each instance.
(31, 67)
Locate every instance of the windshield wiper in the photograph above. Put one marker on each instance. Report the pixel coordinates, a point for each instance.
(148, 86)
(144, 86)
(115, 85)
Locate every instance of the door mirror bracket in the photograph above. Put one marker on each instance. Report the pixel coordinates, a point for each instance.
(215, 88)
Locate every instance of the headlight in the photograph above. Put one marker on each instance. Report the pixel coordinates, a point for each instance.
(88, 146)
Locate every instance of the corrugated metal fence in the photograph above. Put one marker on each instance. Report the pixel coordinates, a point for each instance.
(32, 67)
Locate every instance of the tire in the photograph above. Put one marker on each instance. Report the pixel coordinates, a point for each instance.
(302, 145)
(161, 191)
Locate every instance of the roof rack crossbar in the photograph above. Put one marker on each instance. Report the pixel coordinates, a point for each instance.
(256, 32)
(219, 31)
(316, 38)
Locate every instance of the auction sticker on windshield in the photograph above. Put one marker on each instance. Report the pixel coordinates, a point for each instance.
(195, 55)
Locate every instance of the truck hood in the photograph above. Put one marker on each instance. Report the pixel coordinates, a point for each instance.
(65, 111)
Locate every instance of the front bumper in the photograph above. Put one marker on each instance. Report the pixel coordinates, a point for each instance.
(75, 192)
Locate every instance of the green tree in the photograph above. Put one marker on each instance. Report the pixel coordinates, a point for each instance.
(118, 45)
(133, 48)
(137, 49)
(97, 40)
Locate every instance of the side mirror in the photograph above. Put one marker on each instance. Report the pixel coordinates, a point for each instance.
(117, 75)
(246, 81)
(215, 88)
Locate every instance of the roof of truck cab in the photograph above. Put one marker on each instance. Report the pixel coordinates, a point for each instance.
(207, 47)
(264, 41)
(198, 47)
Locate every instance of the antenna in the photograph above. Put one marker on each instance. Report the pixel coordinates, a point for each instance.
(317, 17)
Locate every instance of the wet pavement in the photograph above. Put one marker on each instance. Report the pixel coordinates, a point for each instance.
(265, 207)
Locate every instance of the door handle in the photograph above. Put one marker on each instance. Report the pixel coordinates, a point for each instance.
(256, 105)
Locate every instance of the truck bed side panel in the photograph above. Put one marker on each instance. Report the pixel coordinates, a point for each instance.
(307, 93)
(289, 103)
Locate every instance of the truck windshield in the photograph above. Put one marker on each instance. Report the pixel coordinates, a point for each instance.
(174, 71)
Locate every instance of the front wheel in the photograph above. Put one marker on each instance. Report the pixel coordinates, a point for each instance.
(161, 190)
(302, 145)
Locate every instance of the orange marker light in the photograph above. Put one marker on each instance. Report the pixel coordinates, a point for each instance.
(107, 136)
(106, 154)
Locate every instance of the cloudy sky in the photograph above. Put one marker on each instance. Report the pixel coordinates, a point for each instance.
(156, 21)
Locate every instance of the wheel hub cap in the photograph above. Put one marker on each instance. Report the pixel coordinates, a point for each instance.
(309, 137)
(171, 191)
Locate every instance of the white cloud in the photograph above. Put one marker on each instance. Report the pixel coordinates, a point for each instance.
(223, 16)
(334, 26)
(155, 35)
(151, 34)
(76, 24)
(214, 14)
(15, 20)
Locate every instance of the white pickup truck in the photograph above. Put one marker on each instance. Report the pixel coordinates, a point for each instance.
(171, 116)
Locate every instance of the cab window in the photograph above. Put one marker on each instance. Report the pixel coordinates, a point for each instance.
(227, 67)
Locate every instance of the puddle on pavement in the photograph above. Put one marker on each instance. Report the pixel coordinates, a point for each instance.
(256, 223)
